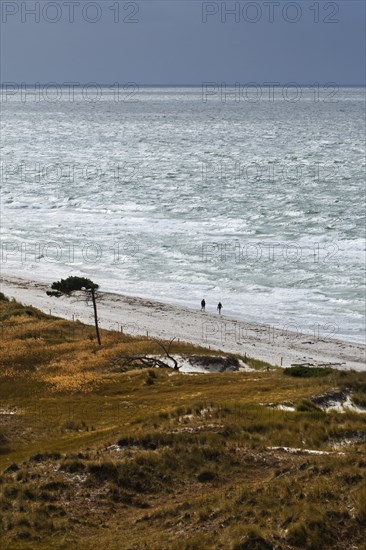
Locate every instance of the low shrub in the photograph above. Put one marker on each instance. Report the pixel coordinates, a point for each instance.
(305, 405)
(206, 475)
(307, 372)
(361, 507)
(73, 466)
(253, 540)
(359, 399)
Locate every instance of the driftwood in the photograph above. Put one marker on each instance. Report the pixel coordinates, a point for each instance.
(147, 361)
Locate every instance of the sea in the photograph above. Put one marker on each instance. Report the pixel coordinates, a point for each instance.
(253, 197)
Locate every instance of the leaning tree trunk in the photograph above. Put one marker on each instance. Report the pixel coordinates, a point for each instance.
(95, 316)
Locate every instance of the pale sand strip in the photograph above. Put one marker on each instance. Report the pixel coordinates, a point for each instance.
(139, 316)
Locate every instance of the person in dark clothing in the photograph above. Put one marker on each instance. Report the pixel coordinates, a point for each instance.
(219, 307)
(203, 305)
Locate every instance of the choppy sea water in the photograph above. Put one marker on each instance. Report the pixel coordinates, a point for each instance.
(159, 194)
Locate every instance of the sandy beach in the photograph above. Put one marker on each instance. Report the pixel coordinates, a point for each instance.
(139, 316)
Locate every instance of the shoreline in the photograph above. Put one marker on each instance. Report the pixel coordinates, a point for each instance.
(139, 316)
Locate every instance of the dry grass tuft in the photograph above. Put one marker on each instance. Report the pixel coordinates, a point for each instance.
(96, 456)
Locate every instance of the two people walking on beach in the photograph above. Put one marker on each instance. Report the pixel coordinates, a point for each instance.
(203, 306)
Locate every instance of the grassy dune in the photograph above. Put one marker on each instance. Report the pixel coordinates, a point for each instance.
(97, 455)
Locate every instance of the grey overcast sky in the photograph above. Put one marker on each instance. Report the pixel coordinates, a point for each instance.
(183, 41)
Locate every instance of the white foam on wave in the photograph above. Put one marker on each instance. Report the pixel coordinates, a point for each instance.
(181, 190)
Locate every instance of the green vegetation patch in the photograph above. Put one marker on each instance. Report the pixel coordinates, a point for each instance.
(307, 372)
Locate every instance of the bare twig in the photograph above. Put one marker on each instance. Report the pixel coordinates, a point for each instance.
(147, 361)
(167, 351)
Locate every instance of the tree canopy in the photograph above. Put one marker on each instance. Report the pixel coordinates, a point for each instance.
(71, 284)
